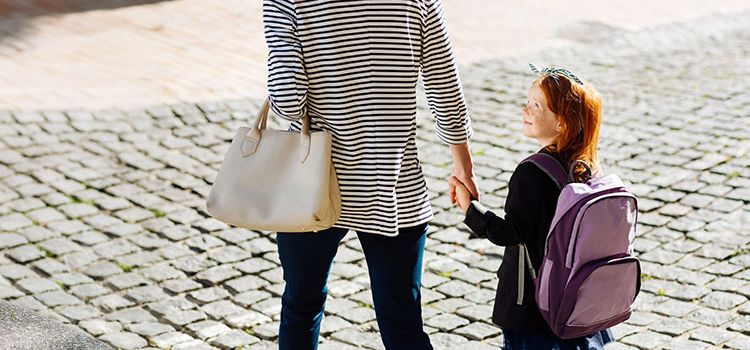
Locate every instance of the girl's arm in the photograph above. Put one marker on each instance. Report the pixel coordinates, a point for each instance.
(522, 208)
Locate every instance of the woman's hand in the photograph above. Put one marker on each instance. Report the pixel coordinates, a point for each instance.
(462, 194)
(463, 171)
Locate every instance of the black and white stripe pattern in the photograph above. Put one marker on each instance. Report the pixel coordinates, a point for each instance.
(353, 66)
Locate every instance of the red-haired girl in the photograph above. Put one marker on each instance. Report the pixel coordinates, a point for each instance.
(563, 114)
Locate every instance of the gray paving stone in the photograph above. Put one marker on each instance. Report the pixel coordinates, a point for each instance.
(446, 322)
(358, 338)
(711, 317)
(103, 269)
(455, 288)
(89, 238)
(173, 251)
(262, 245)
(723, 300)
(342, 288)
(36, 233)
(25, 254)
(672, 327)
(646, 340)
(14, 222)
(221, 309)
(255, 265)
(181, 285)
(146, 294)
(130, 315)
(478, 331)
(332, 324)
(684, 344)
(57, 298)
(334, 345)
(267, 331)
(475, 312)
(739, 342)
(711, 335)
(124, 340)
(126, 280)
(78, 312)
(88, 291)
(193, 345)
(228, 254)
(234, 339)
(246, 319)
(217, 274)
(181, 318)
(446, 341)
(9, 240)
(37, 285)
(161, 272)
(149, 329)
(192, 264)
(170, 305)
(97, 327)
(166, 340)
(741, 324)
(451, 305)
(69, 279)
(208, 295)
(111, 302)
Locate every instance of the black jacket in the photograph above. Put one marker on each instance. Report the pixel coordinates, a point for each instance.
(529, 209)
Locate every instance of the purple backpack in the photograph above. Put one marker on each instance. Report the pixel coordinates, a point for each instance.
(589, 277)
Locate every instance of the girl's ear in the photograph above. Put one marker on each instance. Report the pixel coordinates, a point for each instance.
(557, 118)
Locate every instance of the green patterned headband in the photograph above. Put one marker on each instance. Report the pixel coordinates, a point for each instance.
(555, 71)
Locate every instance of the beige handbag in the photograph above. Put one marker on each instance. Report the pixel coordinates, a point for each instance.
(275, 180)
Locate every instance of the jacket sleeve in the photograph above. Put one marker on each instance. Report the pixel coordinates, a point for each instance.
(523, 203)
(287, 80)
(441, 79)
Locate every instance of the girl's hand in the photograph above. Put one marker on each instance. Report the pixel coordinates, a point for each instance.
(463, 195)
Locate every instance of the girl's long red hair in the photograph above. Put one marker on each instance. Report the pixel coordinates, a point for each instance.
(579, 108)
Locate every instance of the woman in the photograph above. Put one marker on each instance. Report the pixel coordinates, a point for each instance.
(352, 67)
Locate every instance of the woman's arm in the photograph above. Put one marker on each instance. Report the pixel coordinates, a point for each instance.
(463, 169)
(287, 80)
(441, 79)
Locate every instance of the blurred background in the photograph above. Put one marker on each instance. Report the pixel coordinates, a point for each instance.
(98, 54)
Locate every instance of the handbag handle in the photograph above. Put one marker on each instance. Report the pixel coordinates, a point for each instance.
(252, 138)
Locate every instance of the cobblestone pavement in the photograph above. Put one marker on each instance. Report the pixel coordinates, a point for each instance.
(103, 223)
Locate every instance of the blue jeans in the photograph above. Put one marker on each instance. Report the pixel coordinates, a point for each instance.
(515, 340)
(395, 267)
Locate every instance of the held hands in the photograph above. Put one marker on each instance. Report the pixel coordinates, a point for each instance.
(462, 185)
(460, 193)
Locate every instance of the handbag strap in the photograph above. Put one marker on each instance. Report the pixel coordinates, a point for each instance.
(253, 136)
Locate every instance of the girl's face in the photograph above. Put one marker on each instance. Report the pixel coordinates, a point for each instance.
(539, 122)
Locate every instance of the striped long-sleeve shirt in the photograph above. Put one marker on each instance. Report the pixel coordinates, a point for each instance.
(353, 66)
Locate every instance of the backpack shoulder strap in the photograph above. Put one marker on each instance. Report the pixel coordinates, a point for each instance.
(550, 166)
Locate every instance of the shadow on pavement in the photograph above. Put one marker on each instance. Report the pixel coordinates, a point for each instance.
(32, 8)
(14, 13)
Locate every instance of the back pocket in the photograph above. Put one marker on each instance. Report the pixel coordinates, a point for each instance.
(602, 291)
(544, 277)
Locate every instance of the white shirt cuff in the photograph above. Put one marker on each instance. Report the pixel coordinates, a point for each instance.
(479, 206)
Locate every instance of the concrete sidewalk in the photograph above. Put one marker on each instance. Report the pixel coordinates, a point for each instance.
(22, 328)
(82, 54)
